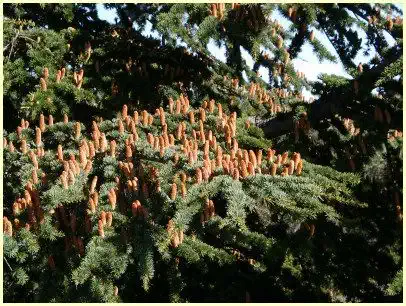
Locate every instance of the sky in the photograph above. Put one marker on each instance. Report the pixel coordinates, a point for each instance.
(306, 62)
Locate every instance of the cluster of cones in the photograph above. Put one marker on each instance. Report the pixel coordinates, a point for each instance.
(138, 210)
(115, 89)
(243, 163)
(292, 13)
(7, 227)
(71, 170)
(238, 163)
(279, 67)
(60, 74)
(31, 200)
(234, 82)
(311, 228)
(208, 211)
(45, 75)
(67, 221)
(44, 79)
(180, 106)
(382, 116)
(128, 64)
(302, 124)
(390, 21)
(31, 203)
(175, 235)
(174, 187)
(263, 97)
(353, 131)
(78, 78)
(105, 220)
(217, 10)
(88, 51)
(349, 126)
(393, 135)
(269, 98)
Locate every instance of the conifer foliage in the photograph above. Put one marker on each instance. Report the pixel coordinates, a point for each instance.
(144, 188)
(137, 170)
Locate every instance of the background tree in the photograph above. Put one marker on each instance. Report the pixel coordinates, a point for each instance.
(128, 213)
